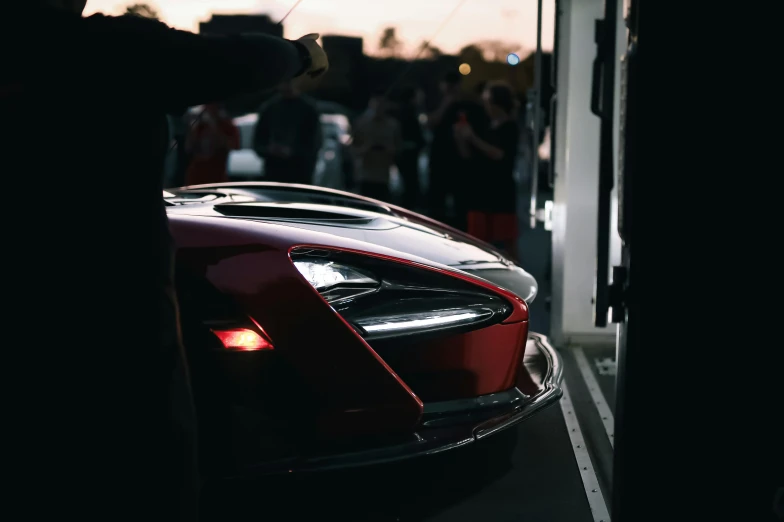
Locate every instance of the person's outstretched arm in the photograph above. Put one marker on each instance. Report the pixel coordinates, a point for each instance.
(172, 69)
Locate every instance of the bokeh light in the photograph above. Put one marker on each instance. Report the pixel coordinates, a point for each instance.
(464, 69)
(512, 59)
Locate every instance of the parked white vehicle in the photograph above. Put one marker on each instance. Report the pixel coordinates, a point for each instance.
(244, 164)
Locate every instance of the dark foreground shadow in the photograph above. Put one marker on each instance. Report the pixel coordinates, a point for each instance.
(409, 491)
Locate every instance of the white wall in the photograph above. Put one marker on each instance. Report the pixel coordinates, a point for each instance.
(577, 181)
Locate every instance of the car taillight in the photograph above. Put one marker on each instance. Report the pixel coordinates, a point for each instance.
(242, 340)
(384, 299)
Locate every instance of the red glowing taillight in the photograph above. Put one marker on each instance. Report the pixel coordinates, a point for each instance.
(243, 340)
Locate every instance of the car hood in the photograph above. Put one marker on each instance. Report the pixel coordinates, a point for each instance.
(410, 234)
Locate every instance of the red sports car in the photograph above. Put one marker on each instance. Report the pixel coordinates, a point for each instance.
(329, 330)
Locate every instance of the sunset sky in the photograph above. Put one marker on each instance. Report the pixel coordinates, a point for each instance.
(416, 20)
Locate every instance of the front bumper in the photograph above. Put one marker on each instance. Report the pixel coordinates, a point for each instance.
(450, 424)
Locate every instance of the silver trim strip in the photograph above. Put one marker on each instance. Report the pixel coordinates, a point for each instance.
(596, 394)
(591, 483)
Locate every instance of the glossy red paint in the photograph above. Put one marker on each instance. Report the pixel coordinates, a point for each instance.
(358, 391)
(454, 232)
(400, 211)
(417, 218)
(526, 382)
(474, 363)
(532, 377)
(519, 306)
(460, 366)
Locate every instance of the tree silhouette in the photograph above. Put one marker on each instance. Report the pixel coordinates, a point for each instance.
(496, 50)
(471, 54)
(143, 10)
(428, 51)
(389, 44)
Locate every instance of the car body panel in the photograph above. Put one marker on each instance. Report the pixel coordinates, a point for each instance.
(252, 263)
(388, 225)
(325, 396)
(448, 425)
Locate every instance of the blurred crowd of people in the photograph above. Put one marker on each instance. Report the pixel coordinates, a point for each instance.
(472, 140)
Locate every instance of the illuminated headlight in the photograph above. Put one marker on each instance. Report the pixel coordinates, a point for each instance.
(422, 321)
(336, 282)
(383, 300)
(393, 313)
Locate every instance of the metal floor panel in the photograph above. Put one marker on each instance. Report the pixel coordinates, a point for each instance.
(593, 424)
(601, 359)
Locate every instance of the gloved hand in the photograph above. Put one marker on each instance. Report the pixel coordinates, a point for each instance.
(318, 58)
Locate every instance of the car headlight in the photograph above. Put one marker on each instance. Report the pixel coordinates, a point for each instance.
(426, 320)
(383, 299)
(335, 282)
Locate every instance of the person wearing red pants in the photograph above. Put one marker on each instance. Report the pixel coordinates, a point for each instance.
(492, 213)
(212, 136)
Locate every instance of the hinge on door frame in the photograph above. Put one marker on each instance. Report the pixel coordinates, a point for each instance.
(616, 298)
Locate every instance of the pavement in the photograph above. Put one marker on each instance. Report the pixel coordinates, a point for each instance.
(521, 475)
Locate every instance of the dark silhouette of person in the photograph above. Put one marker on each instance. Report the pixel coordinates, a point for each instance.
(212, 136)
(179, 133)
(376, 144)
(413, 141)
(448, 171)
(288, 136)
(492, 213)
(98, 412)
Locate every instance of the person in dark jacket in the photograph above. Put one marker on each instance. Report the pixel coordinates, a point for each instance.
(178, 128)
(413, 141)
(448, 171)
(288, 136)
(376, 144)
(492, 212)
(211, 138)
(97, 410)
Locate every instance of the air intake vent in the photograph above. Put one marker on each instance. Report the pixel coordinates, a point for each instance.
(291, 212)
(293, 194)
